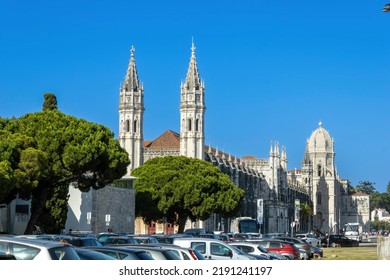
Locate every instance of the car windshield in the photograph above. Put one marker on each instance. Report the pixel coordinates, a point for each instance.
(144, 256)
(170, 255)
(238, 251)
(93, 255)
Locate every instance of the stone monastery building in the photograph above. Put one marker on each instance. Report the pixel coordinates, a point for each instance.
(273, 195)
(264, 180)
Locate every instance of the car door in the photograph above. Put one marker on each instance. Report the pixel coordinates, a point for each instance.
(219, 251)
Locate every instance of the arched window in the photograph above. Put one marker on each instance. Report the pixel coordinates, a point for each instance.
(127, 125)
(135, 126)
(319, 170)
(197, 125)
(189, 125)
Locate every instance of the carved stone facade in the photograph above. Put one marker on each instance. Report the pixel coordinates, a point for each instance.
(264, 179)
(333, 206)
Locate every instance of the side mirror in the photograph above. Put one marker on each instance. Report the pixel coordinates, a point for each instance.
(229, 253)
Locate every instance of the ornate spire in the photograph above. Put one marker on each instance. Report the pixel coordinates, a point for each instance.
(192, 79)
(131, 82)
(284, 156)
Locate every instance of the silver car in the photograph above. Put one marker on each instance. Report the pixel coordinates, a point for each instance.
(309, 238)
(37, 249)
(157, 252)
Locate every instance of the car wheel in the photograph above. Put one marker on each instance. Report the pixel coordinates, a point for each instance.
(355, 244)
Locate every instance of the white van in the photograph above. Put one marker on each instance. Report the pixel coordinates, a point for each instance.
(213, 249)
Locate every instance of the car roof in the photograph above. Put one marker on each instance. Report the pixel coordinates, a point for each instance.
(243, 243)
(199, 239)
(34, 242)
(116, 248)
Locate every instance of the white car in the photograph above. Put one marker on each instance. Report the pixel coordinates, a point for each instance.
(309, 238)
(37, 249)
(213, 249)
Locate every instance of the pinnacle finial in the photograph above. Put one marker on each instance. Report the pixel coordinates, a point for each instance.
(193, 48)
(132, 50)
(320, 123)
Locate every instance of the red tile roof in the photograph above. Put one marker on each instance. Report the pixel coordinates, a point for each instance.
(168, 140)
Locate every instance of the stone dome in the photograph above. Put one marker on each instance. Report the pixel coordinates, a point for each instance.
(320, 141)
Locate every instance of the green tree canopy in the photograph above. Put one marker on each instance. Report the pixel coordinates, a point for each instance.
(366, 187)
(380, 200)
(42, 153)
(179, 188)
(306, 212)
(50, 102)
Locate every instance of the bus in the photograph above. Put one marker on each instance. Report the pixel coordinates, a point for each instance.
(353, 231)
(245, 225)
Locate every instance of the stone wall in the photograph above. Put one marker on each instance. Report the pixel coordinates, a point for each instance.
(116, 203)
(383, 248)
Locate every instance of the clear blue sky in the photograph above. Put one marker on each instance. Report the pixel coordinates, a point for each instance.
(272, 70)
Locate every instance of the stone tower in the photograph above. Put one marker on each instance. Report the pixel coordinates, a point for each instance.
(131, 112)
(319, 176)
(192, 110)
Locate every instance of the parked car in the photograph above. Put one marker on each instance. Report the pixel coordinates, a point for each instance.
(183, 252)
(245, 236)
(78, 241)
(37, 249)
(317, 251)
(144, 239)
(285, 248)
(224, 237)
(338, 240)
(168, 238)
(301, 244)
(119, 240)
(195, 231)
(123, 253)
(157, 252)
(213, 249)
(36, 236)
(209, 235)
(87, 254)
(255, 249)
(309, 238)
(103, 236)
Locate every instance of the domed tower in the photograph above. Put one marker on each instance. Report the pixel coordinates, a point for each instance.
(319, 176)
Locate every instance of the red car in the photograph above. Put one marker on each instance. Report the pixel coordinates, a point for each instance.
(287, 249)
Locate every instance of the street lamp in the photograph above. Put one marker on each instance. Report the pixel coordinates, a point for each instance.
(386, 8)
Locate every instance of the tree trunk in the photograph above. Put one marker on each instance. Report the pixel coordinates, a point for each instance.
(38, 203)
(182, 223)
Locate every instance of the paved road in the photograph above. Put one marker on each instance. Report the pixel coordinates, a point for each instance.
(368, 242)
